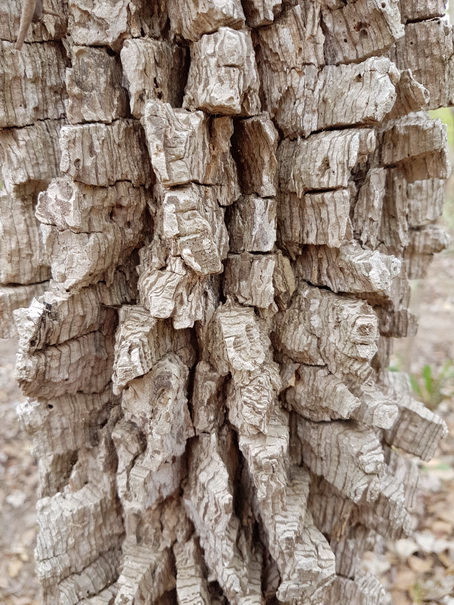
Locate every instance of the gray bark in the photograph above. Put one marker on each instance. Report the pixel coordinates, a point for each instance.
(210, 214)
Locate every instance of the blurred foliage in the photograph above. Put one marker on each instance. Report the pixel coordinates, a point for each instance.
(431, 386)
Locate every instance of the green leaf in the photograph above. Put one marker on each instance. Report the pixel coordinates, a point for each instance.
(415, 386)
(428, 380)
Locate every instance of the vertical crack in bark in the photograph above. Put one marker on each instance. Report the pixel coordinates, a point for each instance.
(208, 389)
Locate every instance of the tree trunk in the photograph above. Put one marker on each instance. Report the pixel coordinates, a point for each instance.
(212, 210)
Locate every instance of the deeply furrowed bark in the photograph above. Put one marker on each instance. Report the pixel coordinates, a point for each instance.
(213, 210)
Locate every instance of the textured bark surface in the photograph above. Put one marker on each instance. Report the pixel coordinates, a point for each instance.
(209, 216)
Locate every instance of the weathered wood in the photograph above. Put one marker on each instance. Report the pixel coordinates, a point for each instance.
(303, 101)
(102, 154)
(229, 199)
(222, 74)
(255, 144)
(93, 24)
(433, 68)
(412, 10)
(30, 156)
(51, 25)
(153, 69)
(94, 87)
(97, 225)
(33, 84)
(12, 298)
(18, 228)
(191, 22)
(418, 144)
(360, 30)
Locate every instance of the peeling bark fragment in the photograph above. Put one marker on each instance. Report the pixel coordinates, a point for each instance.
(94, 87)
(12, 298)
(360, 30)
(85, 228)
(152, 69)
(62, 518)
(390, 505)
(419, 145)
(178, 143)
(319, 396)
(320, 328)
(307, 100)
(85, 150)
(411, 96)
(192, 585)
(145, 576)
(251, 399)
(88, 363)
(348, 457)
(222, 76)
(324, 160)
(19, 228)
(249, 279)
(207, 401)
(209, 503)
(364, 590)
(84, 312)
(187, 146)
(141, 341)
(91, 580)
(164, 421)
(58, 425)
(68, 204)
(80, 259)
(425, 201)
(192, 21)
(366, 272)
(175, 292)
(30, 157)
(94, 24)
(427, 49)
(367, 213)
(293, 40)
(336, 517)
(317, 218)
(193, 223)
(268, 461)
(394, 230)
(33, 84)
(237, 343)
(415, 10)
(283, 280)
(310, 568)
(423, 244)
(417, 430)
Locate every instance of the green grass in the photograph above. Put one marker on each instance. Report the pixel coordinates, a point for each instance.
(431, 386)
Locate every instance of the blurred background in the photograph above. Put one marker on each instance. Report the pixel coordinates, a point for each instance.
(420, 569)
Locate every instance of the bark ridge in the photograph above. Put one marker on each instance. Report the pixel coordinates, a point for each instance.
(210, 214)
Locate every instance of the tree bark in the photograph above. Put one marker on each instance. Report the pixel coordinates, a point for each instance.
(210, 214)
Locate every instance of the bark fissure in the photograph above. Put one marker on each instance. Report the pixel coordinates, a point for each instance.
(210, 215)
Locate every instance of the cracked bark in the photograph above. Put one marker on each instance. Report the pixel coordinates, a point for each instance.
(210, 214)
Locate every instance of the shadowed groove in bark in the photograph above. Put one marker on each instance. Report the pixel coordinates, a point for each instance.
(231, 201)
